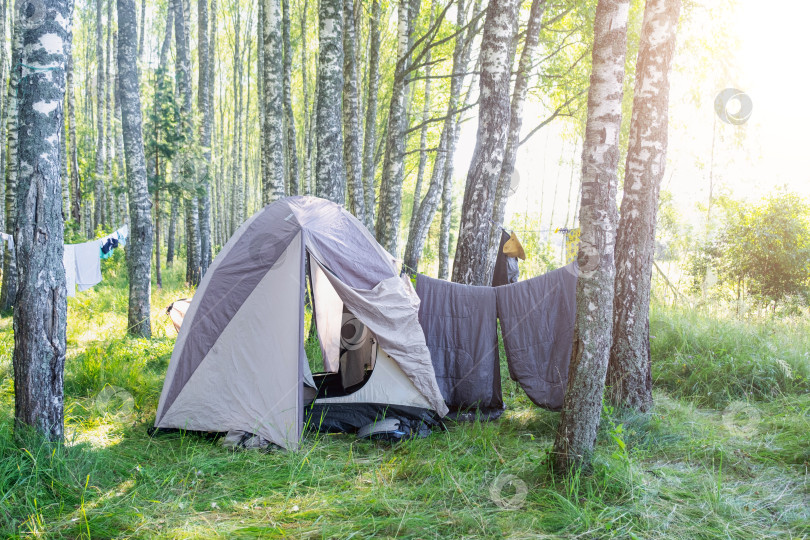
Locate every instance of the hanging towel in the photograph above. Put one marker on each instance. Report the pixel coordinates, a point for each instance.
(88, 264)
(537, 324)
(69, 262)
(460, 326)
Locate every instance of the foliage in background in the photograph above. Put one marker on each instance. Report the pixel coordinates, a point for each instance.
(761, 252)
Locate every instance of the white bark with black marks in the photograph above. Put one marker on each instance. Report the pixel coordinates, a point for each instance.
(497, 52)
(393, 173)
(9, 290)
(519, 92)
(290, 147)
(582, 406)
(425, 211)
(351, 117)
(206, 112)
(99, 187)
(139, 248)
(187, 169)
(330, 174)
(629, 379)
(372, 91)
(273, 85)
(40, 315)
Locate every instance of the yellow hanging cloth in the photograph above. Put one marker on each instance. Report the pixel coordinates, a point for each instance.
(571, 245)
(512, 248)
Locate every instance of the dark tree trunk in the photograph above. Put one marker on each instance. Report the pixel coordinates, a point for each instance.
(273, 85)
(629, 380)
(582, 406)
(472, 248)
(330, 174)
(139, 249)
(40, 316)
(515, 123)
(372, 90)
(351, 116)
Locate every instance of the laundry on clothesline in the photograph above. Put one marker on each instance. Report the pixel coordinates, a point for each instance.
(571, 244)
(7, 238)
(115, 240)
(83, 261)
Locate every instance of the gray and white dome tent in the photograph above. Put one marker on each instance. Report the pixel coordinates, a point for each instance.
(239, 362)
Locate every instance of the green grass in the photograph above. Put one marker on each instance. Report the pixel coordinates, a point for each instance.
(724, 455)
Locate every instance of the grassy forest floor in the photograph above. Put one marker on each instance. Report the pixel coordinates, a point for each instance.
(725, 454)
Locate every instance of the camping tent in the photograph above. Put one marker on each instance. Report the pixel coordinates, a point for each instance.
(239, 362)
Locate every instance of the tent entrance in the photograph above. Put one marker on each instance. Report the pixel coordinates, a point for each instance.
(341, 351)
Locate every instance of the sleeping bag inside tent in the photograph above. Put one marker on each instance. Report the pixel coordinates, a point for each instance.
(239, 363)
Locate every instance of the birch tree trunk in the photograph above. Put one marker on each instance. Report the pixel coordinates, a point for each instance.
(290, 147)
(183, 76)
(447, 186)
(372, 91)
(423, 150)
(330, 174)
(500, 26)
(110, 217)
(521, 87)
(306, 169)
(425, 211)
(75, 183)
(582, 406)
(40, 315)
(139, 249)
(9, 291)
(393, 174)
(629, 379)
(171, 235)
(206, 111)
(272, 82)
(238, 200)
(143, 29)
(99, 196)
(351, 117)
(121, 177)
